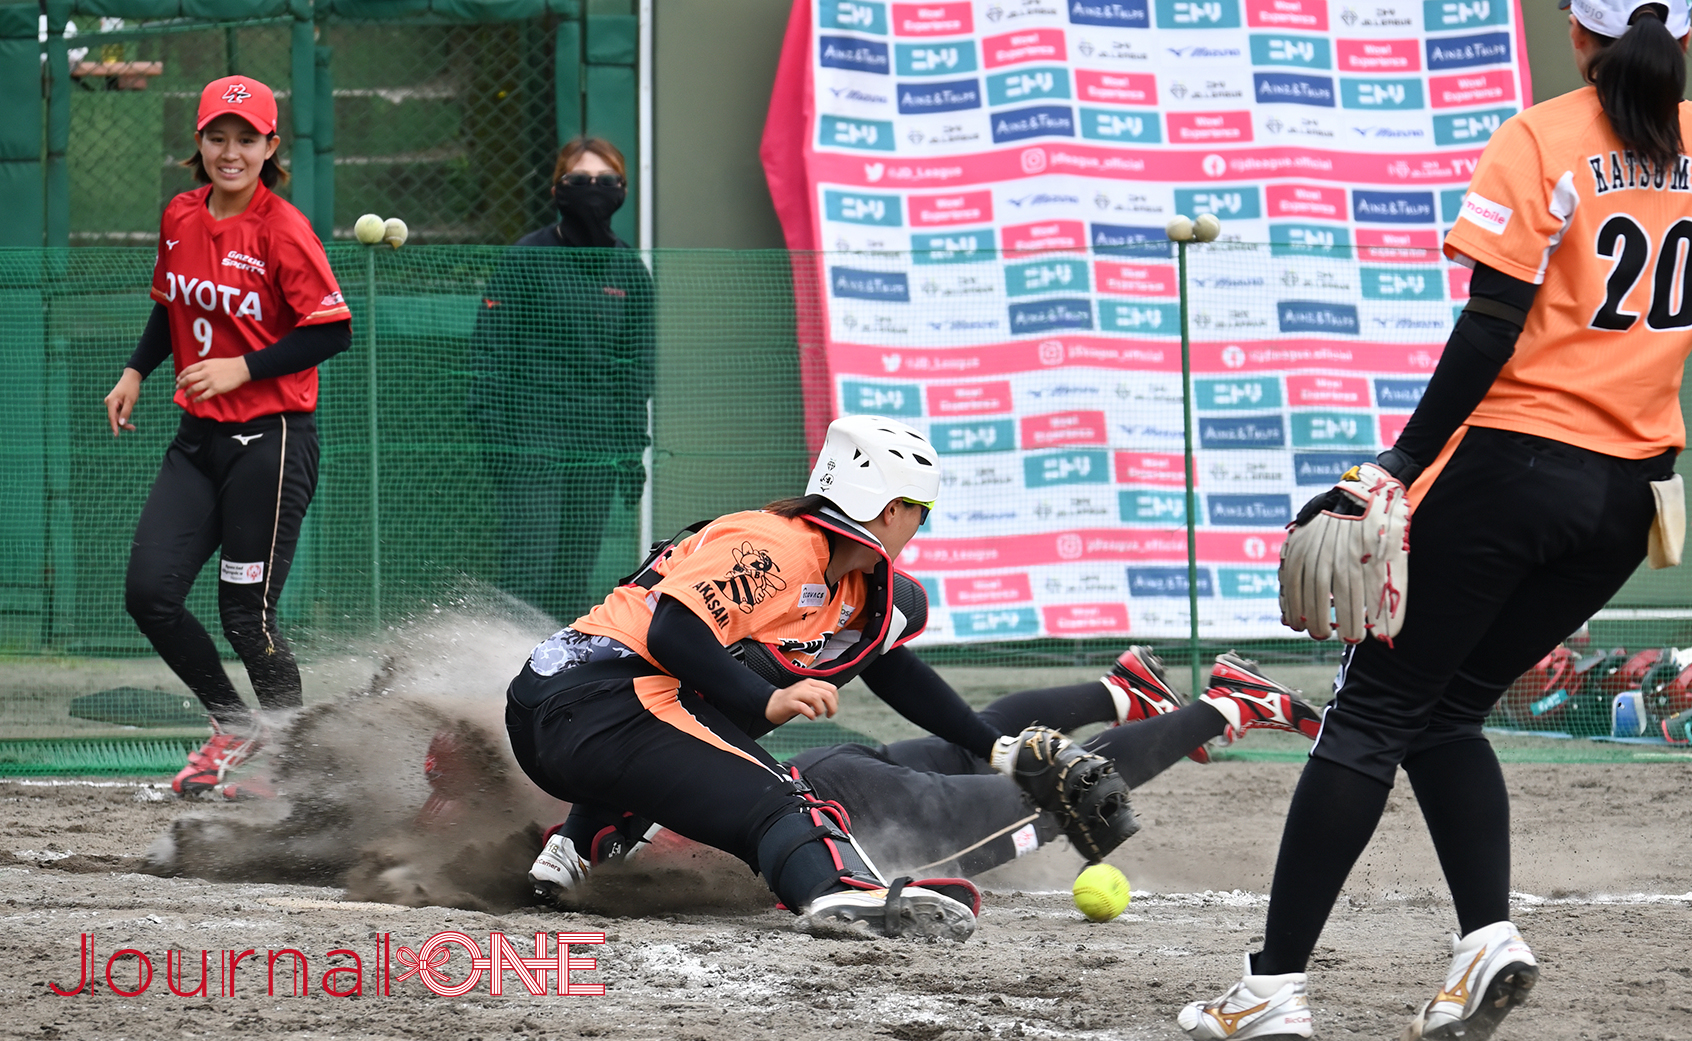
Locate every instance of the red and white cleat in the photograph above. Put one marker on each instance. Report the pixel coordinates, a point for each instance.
(1140, 689)
(1249, 700)
(221, 753)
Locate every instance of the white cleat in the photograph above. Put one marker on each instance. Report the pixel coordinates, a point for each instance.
(558, 869)
(1255, 1007)
(896, 911)
(1492, 971)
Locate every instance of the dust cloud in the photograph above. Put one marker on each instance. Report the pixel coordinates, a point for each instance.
(354, 807)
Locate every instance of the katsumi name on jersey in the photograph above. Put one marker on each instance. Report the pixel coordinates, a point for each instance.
(1626, 170)
(206, 294)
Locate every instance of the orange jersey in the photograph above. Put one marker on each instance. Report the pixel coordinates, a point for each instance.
(748, 575)
(1556, 200)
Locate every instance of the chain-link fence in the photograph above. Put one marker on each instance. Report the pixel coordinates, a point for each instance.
(451, 111)
(451, 124)
(133, 100)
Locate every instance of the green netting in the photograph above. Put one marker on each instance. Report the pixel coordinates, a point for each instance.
(452, 126)
(789, 740)
(487, 388)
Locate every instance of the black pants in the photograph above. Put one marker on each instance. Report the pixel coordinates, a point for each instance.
(928, 807)
(1516, 542)
(243, 487)
(584, 736)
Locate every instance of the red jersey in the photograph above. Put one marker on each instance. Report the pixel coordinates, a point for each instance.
(238, 285)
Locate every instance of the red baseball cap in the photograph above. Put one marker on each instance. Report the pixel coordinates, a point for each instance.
(242, 95)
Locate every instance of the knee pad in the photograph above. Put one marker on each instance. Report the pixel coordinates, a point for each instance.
(805, 854)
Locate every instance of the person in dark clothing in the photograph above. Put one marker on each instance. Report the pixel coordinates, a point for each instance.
(563, 361)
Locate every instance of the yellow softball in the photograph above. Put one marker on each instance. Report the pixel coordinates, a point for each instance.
(1101, 892)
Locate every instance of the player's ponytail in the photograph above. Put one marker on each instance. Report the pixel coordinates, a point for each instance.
(271, 175)
(1641, 77)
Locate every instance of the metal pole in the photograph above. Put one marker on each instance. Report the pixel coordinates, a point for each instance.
(1192, 496)
(375, 448)
(643, 161)
(646, 459)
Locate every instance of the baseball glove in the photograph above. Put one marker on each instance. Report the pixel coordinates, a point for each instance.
(1081, 789)
(1347, 557)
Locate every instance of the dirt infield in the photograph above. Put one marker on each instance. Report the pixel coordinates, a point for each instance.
(1592, 842)
(694, 951)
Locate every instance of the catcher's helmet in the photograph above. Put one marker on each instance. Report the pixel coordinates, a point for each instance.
(868, 461)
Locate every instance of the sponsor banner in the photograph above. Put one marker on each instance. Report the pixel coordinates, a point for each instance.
(1191, 157)
(989, 184)
(1135, 279)
(881, 399)
(1167, 545)
(1046, 276)
(1085, 619)
(969, 399)
(987, 590)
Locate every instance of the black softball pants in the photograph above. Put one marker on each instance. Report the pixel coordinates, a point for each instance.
(1516, 543)
(243, 487)
(585, 736)
(927, 806)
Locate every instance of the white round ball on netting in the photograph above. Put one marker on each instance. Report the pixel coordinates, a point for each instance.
(1207, 227)
(1179, 228)
(368, 230)
(394, 232)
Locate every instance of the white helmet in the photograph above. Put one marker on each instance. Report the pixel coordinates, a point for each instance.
(868, 461)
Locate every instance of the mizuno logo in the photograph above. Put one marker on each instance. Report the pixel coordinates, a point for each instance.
(246, 439)
(1459, 993)
(171, 243)
(1230, 1021)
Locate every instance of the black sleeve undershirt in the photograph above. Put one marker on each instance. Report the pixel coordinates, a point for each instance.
(684, 646)
(916, 691)
(305, 347)
(1479, 346)
(154, 347)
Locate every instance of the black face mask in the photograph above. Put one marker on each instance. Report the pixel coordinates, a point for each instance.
(584, 212)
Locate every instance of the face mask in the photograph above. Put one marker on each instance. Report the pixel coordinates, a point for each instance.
(585, 211)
